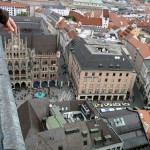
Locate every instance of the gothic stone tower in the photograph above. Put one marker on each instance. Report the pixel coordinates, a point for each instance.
(29, 67)
(18, 59)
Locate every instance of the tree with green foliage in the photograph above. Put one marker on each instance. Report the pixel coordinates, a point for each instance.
(22, 14)
(70, 18)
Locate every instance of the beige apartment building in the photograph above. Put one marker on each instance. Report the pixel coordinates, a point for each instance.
(99, 70)
(32, 62)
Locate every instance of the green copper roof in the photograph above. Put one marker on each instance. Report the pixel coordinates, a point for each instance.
(53, 123)
(55, 110)
(60, 119)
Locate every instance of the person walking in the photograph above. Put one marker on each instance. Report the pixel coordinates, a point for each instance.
(8, 22)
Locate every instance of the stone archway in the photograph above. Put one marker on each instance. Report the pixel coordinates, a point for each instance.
(44, 84)
(52, 83)
(17, 86)
(16, 64)
(23, 72)
(9, 64)
(12, 85)
(23, 85)
(16, 72)
(23, 64)
(10, 72)
(36, 84)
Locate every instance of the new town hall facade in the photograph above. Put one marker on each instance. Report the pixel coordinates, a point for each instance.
(32, 61)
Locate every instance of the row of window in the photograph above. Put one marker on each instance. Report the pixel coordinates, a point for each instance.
(103, 91)
(106, 74)
(104, 85)
(16, 55)
(45, 62)
(44, 75)
(44, 69)
(87, 4)
(105, 80)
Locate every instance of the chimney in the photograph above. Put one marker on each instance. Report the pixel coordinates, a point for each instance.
(103, 138)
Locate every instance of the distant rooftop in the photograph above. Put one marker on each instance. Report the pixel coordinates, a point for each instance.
(71, 135)
(88, 1)
(128, 125)
(53, 6)
(102, 47)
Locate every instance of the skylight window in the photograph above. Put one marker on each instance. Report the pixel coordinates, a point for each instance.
(117, 57)
(119, 122)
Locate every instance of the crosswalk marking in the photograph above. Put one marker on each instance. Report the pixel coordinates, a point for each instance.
(65, 96)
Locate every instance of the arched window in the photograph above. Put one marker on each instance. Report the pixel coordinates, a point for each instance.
(10, 72)
(16, 72)
(23, 72)
(10, 63)
(17, 63)
(23, 64)
(29, 64)
(45, 62)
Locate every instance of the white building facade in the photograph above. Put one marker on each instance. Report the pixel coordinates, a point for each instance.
(14, 8)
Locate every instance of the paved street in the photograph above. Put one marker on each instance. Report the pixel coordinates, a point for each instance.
(139, 102)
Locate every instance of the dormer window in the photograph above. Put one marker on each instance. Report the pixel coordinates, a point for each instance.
(100, 66)
(111, 66)
(118, 66)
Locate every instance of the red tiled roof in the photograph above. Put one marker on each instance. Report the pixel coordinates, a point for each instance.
(143, 24)
(146, 119)
(94, 14)
(13, 4)
(105, 13)
(72, 34)
(117, 20)
(126, 33)
(119, 32)
(129, 35)
(143, 48)
(86, 20)
(97, 14)
(87, 14)
(62, 25)
(40, 10)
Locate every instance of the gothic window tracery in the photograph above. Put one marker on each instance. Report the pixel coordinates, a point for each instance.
(23, 72)
(10, 63)
(23, 64)
(16, 64)
(16, 72)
